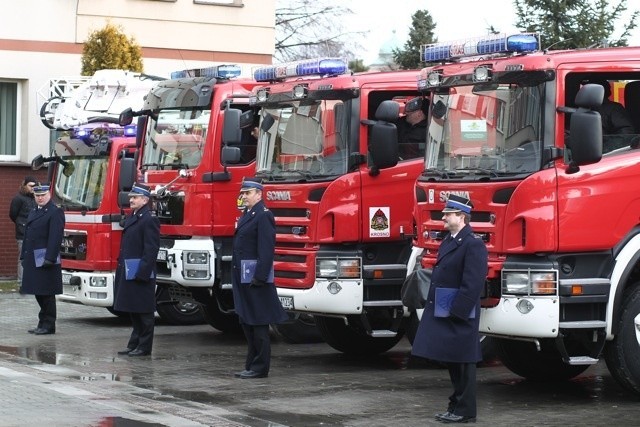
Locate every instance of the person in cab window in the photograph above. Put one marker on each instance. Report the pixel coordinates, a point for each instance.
(615, 118)
(412, 129)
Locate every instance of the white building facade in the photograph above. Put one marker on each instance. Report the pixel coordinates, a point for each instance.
(42, 40)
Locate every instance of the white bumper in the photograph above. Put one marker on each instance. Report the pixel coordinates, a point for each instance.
(319, 300)
(511, 318)
(87, 293)
(175, 270)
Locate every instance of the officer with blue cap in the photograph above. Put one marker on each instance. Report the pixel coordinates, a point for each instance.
(42, 272)
(451, 333)
(254, 293)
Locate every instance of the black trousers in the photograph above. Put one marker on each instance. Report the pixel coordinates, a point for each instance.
(48, 312)
(142, 334)
(259, 348)
(463, 399)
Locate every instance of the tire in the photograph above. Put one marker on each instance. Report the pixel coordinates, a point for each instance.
(352, 339)
(180, 313)
(224, 322)
(120, 314)
(622, 355)
(301, 329)
(522, 358)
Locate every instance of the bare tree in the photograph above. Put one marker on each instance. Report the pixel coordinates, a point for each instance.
(306, 29)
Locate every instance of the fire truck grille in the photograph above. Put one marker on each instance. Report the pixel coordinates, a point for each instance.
(74, 247)
(382, 293)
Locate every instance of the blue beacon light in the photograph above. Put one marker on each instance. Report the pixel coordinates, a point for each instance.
(219, 72)
(493, 44)
(130, 130)
(308, 67)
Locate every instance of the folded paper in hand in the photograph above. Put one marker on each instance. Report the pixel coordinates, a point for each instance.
(248, 270)
(444, 299)
(38, 256)
(131, 266)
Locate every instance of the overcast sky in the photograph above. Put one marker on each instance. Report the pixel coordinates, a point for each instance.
(454, 19)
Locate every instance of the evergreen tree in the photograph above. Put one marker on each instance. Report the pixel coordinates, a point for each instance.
(571, 24)
(109, 48)
(420, 32)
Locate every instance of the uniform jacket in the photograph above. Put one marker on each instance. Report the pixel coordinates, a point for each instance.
(255, 238)
(140, 240)
(462, 264)
(44, 229)
(19, 210)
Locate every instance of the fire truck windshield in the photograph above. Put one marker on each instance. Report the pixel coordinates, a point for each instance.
(175, 139)
(303, 141)
(492, 130)
(79, 182)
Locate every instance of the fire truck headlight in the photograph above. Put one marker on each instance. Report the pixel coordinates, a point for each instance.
(529, 282)
(98, 282)
(337, 268)
(196, 257)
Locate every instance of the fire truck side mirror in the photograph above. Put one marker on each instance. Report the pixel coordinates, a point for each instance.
(125, 180)
(231, 132)
(585, 131)
(37, 162)
(126, 117)
(383, 137)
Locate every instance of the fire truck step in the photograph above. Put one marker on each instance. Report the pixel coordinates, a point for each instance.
(582, 360)
(383, 333)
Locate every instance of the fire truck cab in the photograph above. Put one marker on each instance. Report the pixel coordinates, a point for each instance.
(340, 185)
(194, 164)
(525, 134)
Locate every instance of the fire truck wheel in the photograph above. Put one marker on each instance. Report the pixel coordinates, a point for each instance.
(352, 339)
(301, 329)
(522, 358)
(623, 353)
(224, 322)
(180, 312)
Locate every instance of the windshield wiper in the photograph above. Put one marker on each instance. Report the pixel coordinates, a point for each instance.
(442, 173)
(306, 175)
(479, 171)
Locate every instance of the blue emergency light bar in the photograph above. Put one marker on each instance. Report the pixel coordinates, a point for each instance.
(307, 67)
(218, 72)
(488, 45)
(130, 130)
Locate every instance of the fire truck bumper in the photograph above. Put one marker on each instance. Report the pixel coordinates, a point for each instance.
(536, 317)
(325, 297)
(87, 288)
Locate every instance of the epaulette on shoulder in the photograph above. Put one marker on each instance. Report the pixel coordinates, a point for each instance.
(265, 209)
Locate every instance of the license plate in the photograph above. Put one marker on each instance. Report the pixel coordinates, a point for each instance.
(162, 255)
(66, 278)
(287, 302)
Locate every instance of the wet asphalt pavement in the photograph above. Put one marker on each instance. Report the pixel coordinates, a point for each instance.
(75, 378)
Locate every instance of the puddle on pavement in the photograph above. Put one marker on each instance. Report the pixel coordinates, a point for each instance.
(125, 422)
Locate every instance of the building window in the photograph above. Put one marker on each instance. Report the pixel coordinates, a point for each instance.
(8, 120)
(220, 2)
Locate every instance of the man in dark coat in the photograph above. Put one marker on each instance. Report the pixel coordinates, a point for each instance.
(21, 205)
(42, 275)
(135, 283)
(462, 266)
(254, 294)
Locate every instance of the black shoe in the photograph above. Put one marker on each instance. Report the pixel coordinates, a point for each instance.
(240, 374)
(252, 374)
(453, 418)
(442, 414)
(43, 331)
(125, 351)
(138, 352)
(33, 330)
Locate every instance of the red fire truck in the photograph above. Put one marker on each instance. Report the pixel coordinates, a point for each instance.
(84, 171)
(523, 133)
(340, 186)
(195, 163)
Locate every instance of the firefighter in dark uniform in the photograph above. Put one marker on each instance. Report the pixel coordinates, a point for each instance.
(135, 283)
(42, 272)
(455, 340)
(412, 129)
(256, 301)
